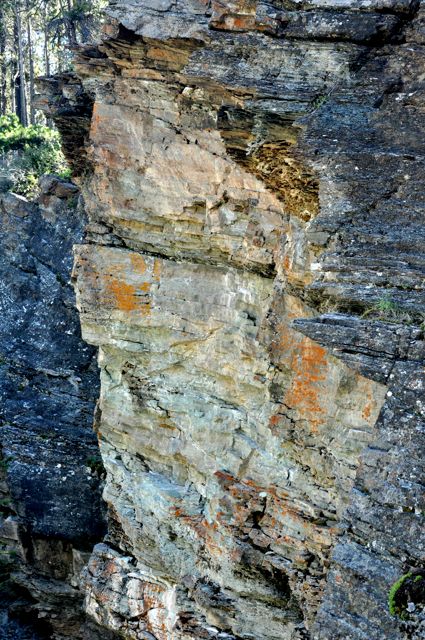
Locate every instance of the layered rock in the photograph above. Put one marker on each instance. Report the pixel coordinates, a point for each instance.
(247, 166)
(51, 509)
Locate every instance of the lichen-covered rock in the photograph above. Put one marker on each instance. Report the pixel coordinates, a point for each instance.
(249, 164)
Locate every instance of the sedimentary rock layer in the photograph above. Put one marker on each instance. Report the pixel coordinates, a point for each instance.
(248, 166)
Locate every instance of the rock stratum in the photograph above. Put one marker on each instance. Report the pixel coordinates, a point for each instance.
(252, 274)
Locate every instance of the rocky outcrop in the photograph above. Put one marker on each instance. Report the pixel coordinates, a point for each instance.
(50, 511)
(250, 166)
(384, 535)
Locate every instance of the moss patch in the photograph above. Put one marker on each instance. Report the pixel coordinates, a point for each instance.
(408, 588)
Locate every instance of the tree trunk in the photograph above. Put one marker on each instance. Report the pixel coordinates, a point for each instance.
(72, 27)
(31, 66)
(13, 74)
(3, 63)
(22, 102)
(46, 42)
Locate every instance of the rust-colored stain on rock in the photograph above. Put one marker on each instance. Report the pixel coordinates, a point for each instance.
(309, 365)
(138, 263)
(124, 295)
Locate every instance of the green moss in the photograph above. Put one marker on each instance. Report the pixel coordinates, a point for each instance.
(394, 608)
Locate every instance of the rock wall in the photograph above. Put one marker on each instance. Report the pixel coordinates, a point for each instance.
(247, 167)
(50, 469)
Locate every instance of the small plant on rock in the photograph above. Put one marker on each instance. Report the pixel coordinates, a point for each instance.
(95, 465)
(406, 601)
(394, 606)
(387, 310)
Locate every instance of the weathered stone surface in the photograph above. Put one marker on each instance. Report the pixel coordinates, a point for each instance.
(387, 504)
(147, 316)
(251, 162)
(50, 510)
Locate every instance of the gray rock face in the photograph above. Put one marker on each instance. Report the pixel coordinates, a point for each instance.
(51, 509)
(248, 167)
(384, 528)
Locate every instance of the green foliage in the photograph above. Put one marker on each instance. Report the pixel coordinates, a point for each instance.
(13, 136)
(386, 305)
(4, 463)
(319, 100)
(5, 506)
(30, 152)
(82, 10)
(79, 22)
(387, 310)
(96, 465)
(393, 606)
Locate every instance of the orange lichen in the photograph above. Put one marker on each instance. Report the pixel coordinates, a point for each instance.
(370, 402)
(156, 270)
(367, 411)
(124, 294)
(236, 23)
(161, 54)
(207, 532)
(153, 603)
(95, 120)
(275, 420)
(306, 365)
(309, 365)
(279, 519)
(138, 263)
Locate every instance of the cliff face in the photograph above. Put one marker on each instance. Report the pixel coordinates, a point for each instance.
(50, 486)
(247, 167)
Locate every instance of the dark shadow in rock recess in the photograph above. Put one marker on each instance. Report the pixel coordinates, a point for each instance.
(51, 509)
